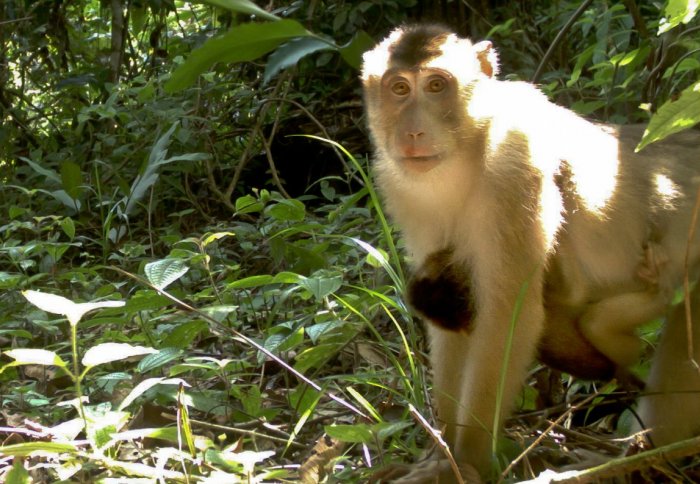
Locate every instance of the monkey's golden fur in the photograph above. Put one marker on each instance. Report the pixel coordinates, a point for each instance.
(523, 195)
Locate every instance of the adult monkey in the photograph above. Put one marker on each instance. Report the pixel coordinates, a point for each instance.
(519, 216)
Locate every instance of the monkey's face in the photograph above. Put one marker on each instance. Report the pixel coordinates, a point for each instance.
(419, 108)
(416, 85)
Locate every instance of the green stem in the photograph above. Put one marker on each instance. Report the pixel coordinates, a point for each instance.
(77, 377)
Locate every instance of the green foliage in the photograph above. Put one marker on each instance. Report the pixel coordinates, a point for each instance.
(158, 286)
(674, 116)
(250, 41)
(678, 12)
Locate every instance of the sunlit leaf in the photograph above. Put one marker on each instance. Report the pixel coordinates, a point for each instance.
(674, 116)
(677, 12)
(25, 356)
(54, 304)
(24, 449)
(216, 236)
(108, 352)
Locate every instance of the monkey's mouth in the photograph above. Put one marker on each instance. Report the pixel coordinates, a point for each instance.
(421, 159)
(421, 163)
(414, 157)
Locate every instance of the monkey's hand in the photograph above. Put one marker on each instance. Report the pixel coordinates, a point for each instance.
(439, 292)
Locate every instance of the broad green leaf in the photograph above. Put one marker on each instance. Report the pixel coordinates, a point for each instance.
(628, 57)
(265, 279)
(353, 50)
(171, 434)
(315, 356)
(145, 385)
(60, 305)
(315, 331)
(248, 204)
(219, 312)
(164, 272)
(252, 281)
(674, 116)
(321, 285)
(26, 356)
(287, 211)
(27, 448)
(108, 352)
(48, 173)
(71, 178)
(163, 357)
(291, 52)
(243, 6)
(242, 43)
(15, 212)
(146, 301)
(359, 433)
(10, 281)
(68, 227)
(16, 333)
(286, 278)
(65, 199)
(184, 334)
(387, 429)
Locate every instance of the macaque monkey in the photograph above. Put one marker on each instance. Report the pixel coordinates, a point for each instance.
(523, 222)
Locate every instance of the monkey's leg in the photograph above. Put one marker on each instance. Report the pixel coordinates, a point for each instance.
(467, 378)
(671, 405)
(610, 324)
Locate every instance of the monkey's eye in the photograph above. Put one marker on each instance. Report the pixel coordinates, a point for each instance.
(436, 84)
(401, 88)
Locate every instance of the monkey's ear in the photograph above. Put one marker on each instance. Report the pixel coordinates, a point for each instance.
(487, 56)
